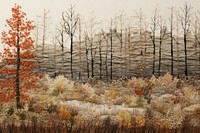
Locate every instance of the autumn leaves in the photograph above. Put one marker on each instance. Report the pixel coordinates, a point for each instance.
(17, 65)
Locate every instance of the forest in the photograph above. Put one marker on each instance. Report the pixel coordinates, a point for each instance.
(132, 74)
(127, 46)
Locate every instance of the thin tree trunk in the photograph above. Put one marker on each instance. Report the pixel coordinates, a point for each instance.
(185, 49)
(87, 60)
(154, 57)
(17, 73)
(107, 59)
(100, 57)
(129, 52)
(71, 53)
(111, 55)
(121, 45)
(80, 48)
(172, 53)
(100, 61)
(92, 57)
(171, 35)
(159, 64)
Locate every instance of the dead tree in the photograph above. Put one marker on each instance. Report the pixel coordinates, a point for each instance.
(90, 36)
(99, 44)
(177, 42)
(80, 46)
(42, 27)
(141, 25)
(70, 19)
(153, 37)
(185, 23)
(197, 39)
(54, 54)
(111, 50)
(161, 39)
(171, 20)
(120, 36)
(87, 55)
(128, 39)
(106, 38)
(60, 40)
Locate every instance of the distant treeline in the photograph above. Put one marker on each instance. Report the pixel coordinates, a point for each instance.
(126, 48)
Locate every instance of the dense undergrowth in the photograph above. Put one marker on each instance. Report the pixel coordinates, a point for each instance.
(163, 104)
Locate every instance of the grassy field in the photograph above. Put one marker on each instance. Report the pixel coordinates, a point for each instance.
(157, 104)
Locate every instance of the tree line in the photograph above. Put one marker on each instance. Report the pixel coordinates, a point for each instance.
(93, 40)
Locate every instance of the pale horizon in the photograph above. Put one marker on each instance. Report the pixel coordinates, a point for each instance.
(103, 10)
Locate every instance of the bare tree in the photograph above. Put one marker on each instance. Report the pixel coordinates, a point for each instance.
(141, 25)
(186, 22)
(120, 20)
(111, 49)
(177, 42)
(161, 39)
(99, 44)
(90, 36)
(70, 19)
(43, 23)
(197, 39)
(106, 38)
(86, 55)
(80, 46)
(45, 17)
(153, 36)
(60, 39)
(54, 54)
(171, 20)
(128, 40)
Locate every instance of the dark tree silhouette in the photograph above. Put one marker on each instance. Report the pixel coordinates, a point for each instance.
(153, 37)
(171, 19)
(186, 22)
(70, 19)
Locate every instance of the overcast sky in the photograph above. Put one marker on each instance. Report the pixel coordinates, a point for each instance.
(102, 9)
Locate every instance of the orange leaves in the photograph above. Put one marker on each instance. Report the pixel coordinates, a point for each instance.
(64, 113)
(28, 54)
(17, 36)
(6, 97)
(20, 29)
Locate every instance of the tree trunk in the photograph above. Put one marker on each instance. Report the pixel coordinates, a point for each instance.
(171, 35)
(87, 60)
(172, 54)
(71, 52)
(111, 54)
(17, 75)
(154, 57)
(92, 67)
(159, 64)
(129, 53)
(121, 45)
(100, 61)
(106, 61)
(185, 48)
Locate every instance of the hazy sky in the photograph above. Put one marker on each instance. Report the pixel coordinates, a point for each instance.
(102, 9)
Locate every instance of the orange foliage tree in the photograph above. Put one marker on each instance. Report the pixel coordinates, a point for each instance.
(18, 67)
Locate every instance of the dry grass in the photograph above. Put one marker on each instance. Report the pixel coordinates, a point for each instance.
(86, 128)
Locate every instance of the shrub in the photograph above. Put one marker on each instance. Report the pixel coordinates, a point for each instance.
(59, 85)
(124, 119)
(64, 113)
(140, 121)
